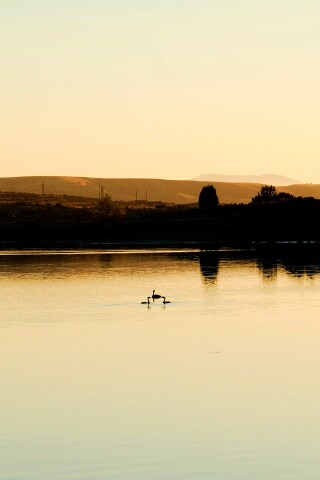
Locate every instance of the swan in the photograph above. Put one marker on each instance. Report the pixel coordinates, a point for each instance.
(165, 301)
(155, 295)
(148, 301)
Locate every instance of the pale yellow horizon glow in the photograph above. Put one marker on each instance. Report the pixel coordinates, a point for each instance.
(160, 89)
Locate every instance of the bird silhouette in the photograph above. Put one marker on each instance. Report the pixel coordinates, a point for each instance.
(165, 301)
(147, 302)
(155, 295)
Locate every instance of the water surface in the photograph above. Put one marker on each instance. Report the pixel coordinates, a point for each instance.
(223, 383)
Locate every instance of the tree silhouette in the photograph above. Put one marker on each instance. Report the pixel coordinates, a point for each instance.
(285, 197)
(267, 193)
(208, 199)
(105, 205)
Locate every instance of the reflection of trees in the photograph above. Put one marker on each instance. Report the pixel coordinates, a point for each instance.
(301, 267)
(268, 267)
(209, 266)
(76, 264)
(56, 265)
(297, 261)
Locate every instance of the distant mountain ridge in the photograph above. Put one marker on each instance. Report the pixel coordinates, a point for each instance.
(266, 179)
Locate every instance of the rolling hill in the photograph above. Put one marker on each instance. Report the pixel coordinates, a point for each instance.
(267, 179)
(170, 191)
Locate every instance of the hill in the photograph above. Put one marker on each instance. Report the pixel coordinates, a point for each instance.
(126, 189)
(267, 179)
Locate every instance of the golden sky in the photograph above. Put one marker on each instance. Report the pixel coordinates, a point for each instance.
(159, 88)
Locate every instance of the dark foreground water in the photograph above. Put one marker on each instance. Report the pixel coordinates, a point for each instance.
(223, 383)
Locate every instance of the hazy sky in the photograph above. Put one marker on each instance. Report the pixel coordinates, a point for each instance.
(160, 88)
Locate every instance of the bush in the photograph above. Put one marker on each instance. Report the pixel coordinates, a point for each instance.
(268, 193)
(105, 205)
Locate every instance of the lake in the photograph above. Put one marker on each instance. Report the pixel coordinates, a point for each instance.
(222, 383)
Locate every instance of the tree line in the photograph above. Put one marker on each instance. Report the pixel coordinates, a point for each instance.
(269, 216)
(208, 198)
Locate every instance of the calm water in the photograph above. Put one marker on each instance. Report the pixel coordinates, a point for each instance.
(223, 383)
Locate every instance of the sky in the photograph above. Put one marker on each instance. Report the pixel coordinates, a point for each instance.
(160, 88)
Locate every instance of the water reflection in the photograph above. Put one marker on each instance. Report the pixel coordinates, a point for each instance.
(200, 388)
(268, 268)
(55, 265)
(299, 266)
(209, 266)
(61, 265)
(297, 262)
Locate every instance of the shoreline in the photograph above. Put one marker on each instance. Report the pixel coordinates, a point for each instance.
(58, 245)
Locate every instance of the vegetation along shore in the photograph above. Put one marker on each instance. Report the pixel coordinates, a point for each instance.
(270, 216)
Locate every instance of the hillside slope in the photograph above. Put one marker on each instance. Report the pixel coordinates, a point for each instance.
(171, 191)
(266, 179)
